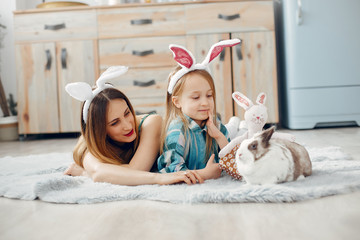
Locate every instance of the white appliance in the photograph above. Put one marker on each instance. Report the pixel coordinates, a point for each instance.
(318, 51)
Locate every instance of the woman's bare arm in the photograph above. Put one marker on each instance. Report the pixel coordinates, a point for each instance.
(149, 145)
(117, 174)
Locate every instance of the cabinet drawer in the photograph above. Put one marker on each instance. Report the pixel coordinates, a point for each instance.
(136, 21)
(228, 17)
(149, 82)
(140, 52)
(145, 105)
(50, 26)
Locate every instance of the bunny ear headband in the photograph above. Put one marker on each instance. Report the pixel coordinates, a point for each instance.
(187, 61)
(83, 92)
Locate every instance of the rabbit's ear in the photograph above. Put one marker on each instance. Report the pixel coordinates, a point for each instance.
(216, 49)
(79, 90)
(182, 55)
(110, 73)
(261, 99)
(242, 100)
(266, 136)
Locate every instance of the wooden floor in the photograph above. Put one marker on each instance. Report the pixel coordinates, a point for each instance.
(335, 217)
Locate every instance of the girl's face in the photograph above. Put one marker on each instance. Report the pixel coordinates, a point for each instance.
(196, 100)
(120, 122)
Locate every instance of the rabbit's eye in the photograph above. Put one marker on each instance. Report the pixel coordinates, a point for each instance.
(253, 146)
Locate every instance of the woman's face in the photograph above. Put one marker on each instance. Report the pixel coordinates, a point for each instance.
(196, 100)
(120, 122)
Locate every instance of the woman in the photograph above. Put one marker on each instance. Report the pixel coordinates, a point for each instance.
(116, 146)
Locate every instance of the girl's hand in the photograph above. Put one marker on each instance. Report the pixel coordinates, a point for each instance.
(212, 169)
(213, 131)
(189, 177)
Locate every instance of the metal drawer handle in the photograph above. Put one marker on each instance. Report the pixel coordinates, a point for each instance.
(48, 60)
(63, 58)
(238, 52)
(54, 27)
(144, 84)
(143, 53)
(222, 55)
(141, 21)
(229, 18)
(141, 113)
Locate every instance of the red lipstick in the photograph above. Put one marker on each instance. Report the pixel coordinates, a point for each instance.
(130, 133)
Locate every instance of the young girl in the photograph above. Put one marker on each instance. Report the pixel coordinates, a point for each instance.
(191, 135)
(115, 145)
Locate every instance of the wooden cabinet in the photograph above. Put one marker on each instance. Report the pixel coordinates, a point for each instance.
(249, 68)
(140, 38)
(254, 70)
(51, 52)
(138, 35)
(220, 68)
(37, 88)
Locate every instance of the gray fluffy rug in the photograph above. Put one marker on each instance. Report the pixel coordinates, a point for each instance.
(40, 177)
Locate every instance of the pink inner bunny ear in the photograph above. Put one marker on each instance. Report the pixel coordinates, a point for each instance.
(182, 56)
(215, 52)
(218, 47)
(261, 98)
(241, 100)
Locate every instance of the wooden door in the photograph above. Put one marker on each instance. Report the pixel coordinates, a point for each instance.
(75, 63)
(37, 88)
(220, 69)
(254, 70)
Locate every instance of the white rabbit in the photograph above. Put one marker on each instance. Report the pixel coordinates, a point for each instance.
(255, 118)
(265, 160)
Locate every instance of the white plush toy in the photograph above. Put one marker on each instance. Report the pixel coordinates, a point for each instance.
(255, 119)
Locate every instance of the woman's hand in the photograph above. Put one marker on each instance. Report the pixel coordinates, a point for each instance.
(75, 170)
(188, 176)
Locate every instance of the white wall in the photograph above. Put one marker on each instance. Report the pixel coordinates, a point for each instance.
(7, 52)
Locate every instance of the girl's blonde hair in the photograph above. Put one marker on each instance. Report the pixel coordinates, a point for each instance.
(173, 112)
(94, 138)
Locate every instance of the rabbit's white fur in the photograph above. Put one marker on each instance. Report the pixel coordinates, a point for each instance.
(265, 160)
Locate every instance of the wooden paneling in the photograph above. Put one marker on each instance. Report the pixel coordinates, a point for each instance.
(124, 51)
(96, 38)
(37, 89)
(144, 82)
(39, 26)
(126, 22)
(220, 69)
(252, 16)
(255, 70)
(144, 104)
(79, 66)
